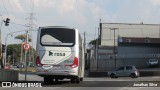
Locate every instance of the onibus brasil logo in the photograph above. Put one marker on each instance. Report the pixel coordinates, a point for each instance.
(21, 84)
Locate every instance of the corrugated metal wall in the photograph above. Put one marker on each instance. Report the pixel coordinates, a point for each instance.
(137, 56)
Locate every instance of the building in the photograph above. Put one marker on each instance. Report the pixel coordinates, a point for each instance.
(109, 31)
(138, 50)
(119, 48)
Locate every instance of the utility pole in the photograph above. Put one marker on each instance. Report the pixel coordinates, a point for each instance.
(114, 48)
(30, 26)
(159, 30)
(25, 58)
(85, 42)
(96, 48)
(1, 56)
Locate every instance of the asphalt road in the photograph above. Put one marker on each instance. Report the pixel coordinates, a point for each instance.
(95, 82)
(34, 77)
(85, 88)
(90, 83)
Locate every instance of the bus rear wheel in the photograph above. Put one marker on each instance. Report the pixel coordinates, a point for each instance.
(72, 80)
(48, 80)
(77, 80)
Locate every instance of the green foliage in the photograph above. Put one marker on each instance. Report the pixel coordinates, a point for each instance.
(23, 37)
(93, 42)
(14, 50)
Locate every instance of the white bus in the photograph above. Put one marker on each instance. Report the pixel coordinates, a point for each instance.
(60, 54)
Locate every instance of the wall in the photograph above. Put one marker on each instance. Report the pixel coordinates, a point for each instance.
(126, 55)
(127, 30)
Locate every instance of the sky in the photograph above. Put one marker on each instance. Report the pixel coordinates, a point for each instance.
(84, 15)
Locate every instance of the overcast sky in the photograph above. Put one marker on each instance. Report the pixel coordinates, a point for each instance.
(81, 14)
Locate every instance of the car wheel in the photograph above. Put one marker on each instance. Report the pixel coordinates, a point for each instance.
(112, 75)
(133, 75)
(46, 80)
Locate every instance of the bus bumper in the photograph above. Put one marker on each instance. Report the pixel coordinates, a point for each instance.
(40, 71)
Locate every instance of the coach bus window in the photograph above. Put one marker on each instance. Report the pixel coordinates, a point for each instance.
(57, 37)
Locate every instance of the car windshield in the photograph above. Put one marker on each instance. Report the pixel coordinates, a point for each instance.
(120, 68)
(128, 67)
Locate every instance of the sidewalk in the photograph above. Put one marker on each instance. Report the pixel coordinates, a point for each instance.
(30, 77)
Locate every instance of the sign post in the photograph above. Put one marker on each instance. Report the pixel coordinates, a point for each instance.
(26, 46)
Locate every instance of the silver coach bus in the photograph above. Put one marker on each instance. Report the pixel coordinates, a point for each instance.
(60, 54)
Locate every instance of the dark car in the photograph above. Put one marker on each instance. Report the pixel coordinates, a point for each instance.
(31, 65)
(20, 65)
(14, 64)
(124, 71)
(152, 62)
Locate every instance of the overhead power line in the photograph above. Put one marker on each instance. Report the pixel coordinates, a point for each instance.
(5, 7)
(10, 6)
(7, 11)
(18, 24)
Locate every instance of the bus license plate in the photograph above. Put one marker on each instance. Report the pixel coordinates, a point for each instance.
(56, 67)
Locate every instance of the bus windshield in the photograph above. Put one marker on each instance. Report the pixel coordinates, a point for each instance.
(57, 37)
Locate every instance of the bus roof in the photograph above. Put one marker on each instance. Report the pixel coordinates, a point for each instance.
(57, 27)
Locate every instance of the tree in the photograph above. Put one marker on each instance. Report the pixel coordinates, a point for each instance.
(14, 50)
(23, 37)
(31, 56)
(93, 42)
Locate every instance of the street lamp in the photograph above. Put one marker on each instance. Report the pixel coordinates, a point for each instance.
(7, 21)
(6, 43)
(6, 48)
(114, 49)
(1, 45)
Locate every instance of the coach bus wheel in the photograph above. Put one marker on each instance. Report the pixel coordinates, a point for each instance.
(77, 80)
(72, 80)
(48, 80)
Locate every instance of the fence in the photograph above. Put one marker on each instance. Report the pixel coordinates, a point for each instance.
(105, 63)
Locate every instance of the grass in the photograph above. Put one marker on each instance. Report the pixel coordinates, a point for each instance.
(29, 69)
